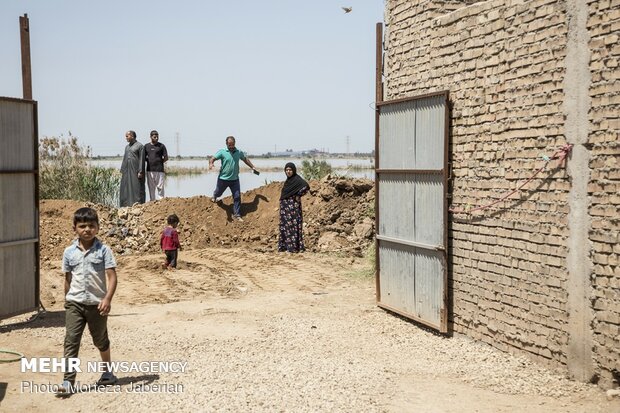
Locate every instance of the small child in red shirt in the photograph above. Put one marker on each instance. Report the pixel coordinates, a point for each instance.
(170, 242)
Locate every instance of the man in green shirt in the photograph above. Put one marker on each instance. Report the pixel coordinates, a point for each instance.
(229, 174)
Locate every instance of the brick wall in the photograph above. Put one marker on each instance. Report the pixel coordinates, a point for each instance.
(604, 187)
(504, 64)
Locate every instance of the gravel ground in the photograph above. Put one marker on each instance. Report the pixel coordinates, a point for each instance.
(303, 344)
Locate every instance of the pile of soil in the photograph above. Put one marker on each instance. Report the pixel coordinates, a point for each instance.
(338, 216)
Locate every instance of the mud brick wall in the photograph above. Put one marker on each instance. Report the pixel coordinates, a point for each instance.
(505, 64)
(604, 185)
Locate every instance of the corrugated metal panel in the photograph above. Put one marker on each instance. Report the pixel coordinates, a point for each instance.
(398, 276)
(428, 213)
(18, 212)
(411, 194)
(415, 207)
(416, 130)
(16, 129)
(429, 133)
(19, 222)
(397, 192)
(429, 284)
(415, 284)
(18, 282)
(398, 122)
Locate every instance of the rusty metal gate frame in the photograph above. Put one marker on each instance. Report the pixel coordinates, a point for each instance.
(441, 249)
(34, 304)
(442, 325)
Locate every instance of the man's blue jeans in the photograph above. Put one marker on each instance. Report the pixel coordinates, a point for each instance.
(235, 188)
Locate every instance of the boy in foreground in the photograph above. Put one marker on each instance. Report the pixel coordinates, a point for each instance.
(90, 283)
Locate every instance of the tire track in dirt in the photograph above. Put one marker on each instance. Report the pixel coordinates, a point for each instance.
(142, 280)
(273, 271)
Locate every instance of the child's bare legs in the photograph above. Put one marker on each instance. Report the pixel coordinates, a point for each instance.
(108, 377)
(106, 358)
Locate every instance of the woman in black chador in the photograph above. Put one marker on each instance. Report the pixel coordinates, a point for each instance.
(291, 219)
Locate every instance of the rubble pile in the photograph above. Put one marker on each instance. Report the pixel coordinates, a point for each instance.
(338, 216)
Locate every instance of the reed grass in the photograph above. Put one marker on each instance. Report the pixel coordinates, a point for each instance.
(64, 173)
(182, 170)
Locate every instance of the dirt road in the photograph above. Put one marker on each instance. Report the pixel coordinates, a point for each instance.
(276, 332)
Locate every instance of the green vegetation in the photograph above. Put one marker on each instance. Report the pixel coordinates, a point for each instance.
(370, 211)
(181, 170)
(359, 168)
(370, 263)
(64, 173)
(315, 169)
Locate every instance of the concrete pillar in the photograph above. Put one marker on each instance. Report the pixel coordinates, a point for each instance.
(579, 261)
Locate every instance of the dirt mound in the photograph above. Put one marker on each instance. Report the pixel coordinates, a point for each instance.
(338, 215)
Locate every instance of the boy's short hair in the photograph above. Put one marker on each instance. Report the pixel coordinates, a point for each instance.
(173, 219)
(85, 215)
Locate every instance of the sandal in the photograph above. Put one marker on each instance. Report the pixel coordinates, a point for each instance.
(65, 389)
(107, 379)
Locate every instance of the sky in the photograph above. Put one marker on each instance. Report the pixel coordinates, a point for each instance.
(276, 74)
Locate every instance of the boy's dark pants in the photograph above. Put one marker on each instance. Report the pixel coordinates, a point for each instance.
(171, 258)
(76, 317)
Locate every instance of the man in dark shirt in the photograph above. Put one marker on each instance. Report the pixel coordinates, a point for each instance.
(156, 156)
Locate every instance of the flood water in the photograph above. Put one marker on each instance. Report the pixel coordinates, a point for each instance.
(186, 186)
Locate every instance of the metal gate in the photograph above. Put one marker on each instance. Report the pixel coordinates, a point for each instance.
(411, 184)
(19, 207)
